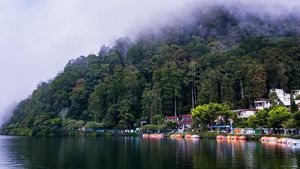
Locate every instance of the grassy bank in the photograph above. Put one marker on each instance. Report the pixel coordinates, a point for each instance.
(49, 132)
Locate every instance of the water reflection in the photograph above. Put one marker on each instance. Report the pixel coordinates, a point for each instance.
(136, 153)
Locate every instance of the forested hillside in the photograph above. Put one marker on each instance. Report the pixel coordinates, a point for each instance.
(216, 57)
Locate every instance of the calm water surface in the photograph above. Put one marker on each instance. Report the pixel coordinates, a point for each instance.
(138, 153)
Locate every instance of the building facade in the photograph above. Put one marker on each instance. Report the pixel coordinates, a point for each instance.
(245, 113)
(262, 104)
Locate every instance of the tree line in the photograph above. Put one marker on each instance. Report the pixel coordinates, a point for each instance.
(165, 74)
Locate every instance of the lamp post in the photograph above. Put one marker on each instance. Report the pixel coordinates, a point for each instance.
(231, 129)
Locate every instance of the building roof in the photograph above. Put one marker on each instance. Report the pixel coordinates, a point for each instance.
(241, 110)
(186, 115)
(170, 117)
(262, 100)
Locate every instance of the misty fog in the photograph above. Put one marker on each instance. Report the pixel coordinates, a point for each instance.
(39, 37)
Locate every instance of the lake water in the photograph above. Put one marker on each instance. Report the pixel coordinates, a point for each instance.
(138, 153)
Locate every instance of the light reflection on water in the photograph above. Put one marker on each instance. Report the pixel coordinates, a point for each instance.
(137, 153)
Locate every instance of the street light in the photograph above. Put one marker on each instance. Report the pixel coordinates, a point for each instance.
(231, 129)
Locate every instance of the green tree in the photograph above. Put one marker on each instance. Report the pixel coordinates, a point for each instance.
(157, 119)
(93, 125)
(252, 122)
(296, 117)
(206, 114)
(262, 118)
(294, 107)
(169, 73)
(126, 118)
(79, 100)
(277, 116)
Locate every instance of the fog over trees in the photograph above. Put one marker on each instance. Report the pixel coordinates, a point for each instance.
(218, 54)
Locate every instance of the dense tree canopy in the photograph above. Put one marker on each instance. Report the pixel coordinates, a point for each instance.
(275, 117)
(212, 60)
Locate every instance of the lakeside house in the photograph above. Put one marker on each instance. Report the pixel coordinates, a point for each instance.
(183, 121)
(285, 98)
(282, 98)
(245, 113)
(262, 104)
(171, 119)
(186, 121)
(297, 97)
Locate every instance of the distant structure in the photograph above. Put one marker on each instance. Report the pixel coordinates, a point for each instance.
(186, 121)
(296, 92)
(171, 118)
(297, 96)
(262, 104)
(281, 98)
(245, 113)
(182, 121)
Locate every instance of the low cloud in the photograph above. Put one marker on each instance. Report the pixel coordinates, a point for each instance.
(39, 37)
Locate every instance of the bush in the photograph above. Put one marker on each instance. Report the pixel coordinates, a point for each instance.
(20, 131)
(154, 127)
(94, 125)
(73, 124)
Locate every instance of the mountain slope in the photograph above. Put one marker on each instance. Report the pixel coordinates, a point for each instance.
(215, 56)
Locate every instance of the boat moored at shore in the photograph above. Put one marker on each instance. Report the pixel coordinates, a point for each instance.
(295, 143)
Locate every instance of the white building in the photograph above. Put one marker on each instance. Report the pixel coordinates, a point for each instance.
(297, 92)
(245, 113)
(296, 96)
(284, 98)
(262, 104)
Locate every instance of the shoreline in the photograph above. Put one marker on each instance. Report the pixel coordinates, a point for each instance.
(204, 135)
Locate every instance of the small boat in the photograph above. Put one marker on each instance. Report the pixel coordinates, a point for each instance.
(188, 136)
(228, 137)
(145, 135)
(294, 143)
(282, 141)
(264, 139)
(176, 136)
(272, 139)
(179, 136)
(242, 138)
(161, 136)
(156, 136)
(173, 136)
(195, 136)
(220, 137)
(269, 139)
(152, 135)
(234, 138)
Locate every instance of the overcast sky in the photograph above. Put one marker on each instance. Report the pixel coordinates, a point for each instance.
(38, 37)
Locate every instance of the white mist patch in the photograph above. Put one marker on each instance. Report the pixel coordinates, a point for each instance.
(39, 37)
(6, 113)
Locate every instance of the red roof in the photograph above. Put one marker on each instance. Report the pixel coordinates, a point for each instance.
(186, 115)
(183, 119)
(186, 119)
(170, 117)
